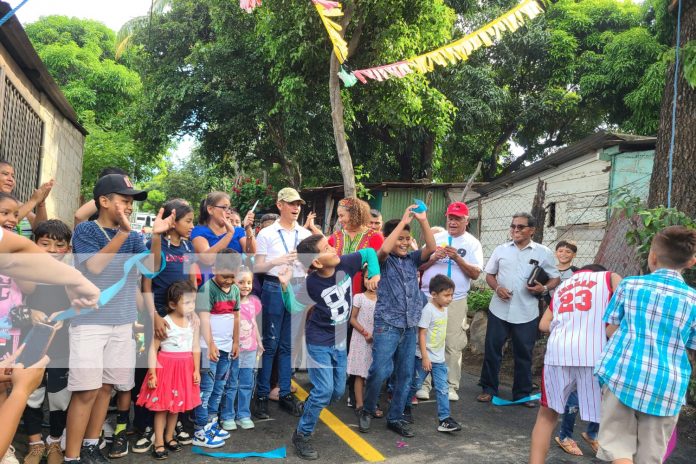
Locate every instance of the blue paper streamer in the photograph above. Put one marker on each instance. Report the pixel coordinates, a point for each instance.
(278, 453)
(108, 294)
(11, 12)
(501, 402)
(420, 206)
(449, 262)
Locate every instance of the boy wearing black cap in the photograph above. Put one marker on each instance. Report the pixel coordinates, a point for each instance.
(102, 349)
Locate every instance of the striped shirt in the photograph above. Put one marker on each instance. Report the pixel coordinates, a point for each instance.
(577, 329)
(645, 363)
(88, 240)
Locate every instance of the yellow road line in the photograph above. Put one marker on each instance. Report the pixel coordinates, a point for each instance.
(355, 441)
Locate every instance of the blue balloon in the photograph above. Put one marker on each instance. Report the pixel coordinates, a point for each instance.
(421, 208)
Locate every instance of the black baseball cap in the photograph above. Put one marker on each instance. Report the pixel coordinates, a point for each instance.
(118, 183)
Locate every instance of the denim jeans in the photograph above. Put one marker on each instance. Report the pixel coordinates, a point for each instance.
(440, 385)
(229, 392)
(276, 335)
(240, 386)
(392, 351)
(568, 422)
(212, 387)
(326, 366)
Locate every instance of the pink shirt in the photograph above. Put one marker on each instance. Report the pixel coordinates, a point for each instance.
(10, 295)
(247, 323)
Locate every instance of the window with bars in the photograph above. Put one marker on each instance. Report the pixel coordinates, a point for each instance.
(21, 136)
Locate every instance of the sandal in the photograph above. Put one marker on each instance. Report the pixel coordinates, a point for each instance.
(378, 413)
(569, 446)
(593, 443)
(174, 445)
(160, 455)
(484, 398)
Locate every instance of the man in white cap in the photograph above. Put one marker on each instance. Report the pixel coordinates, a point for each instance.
(276, 247)
(459, 257)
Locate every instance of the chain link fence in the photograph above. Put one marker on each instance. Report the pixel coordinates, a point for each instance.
(588, 217)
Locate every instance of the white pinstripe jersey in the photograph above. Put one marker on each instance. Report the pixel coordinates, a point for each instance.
(577, 330)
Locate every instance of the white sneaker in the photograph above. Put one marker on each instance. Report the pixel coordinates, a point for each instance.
(452, 396)
(423, 394)
(207, 439)
(9, 457)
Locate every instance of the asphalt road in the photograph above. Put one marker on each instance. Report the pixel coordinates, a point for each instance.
(490, 434)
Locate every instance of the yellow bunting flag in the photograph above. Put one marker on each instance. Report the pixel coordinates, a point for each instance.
(328, 10)
(459, 50)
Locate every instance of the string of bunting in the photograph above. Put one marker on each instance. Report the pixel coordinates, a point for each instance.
(459, 50)
(327, 11)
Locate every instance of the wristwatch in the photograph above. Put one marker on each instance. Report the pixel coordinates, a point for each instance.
(546, 290)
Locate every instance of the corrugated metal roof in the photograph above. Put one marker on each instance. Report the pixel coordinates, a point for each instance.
(595, 141)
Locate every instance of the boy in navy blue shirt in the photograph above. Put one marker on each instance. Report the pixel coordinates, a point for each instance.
(329, 288)
(397, 313)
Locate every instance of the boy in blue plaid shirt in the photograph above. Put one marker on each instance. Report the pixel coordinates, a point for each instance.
(644, 369)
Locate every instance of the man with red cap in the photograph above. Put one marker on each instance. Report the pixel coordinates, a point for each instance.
(459, 257)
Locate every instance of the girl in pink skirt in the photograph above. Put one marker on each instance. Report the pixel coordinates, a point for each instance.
(172, 384)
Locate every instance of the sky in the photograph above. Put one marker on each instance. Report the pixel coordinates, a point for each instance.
(111, 13)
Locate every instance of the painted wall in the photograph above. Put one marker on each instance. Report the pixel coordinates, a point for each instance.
(578, 191)
(630, 172)
(63, 143)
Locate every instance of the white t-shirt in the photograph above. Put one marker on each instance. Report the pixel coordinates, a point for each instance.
(179, 339)
(512, 268)
(577, 329)
(275, 241)
(436, 322)
(469, 248)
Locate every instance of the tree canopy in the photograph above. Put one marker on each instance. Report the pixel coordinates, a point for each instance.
(253, 88)
(106, 94)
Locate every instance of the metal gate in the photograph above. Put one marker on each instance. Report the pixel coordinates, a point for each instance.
(21, 136)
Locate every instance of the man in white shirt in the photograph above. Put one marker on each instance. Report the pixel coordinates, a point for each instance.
(514, 308)
(459, 257)
(276, 246)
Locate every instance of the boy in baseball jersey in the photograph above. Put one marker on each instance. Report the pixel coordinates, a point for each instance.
(576, 340)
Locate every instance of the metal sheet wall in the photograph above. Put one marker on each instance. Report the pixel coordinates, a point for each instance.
(395, 202)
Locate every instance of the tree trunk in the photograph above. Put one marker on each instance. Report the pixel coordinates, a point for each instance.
(339, 128)
(405, 158)
(684, 158)
(539, 212)
(426, 159)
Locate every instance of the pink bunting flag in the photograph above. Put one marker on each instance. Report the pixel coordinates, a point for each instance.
(328, 5)
(249, 5)
(382, 73)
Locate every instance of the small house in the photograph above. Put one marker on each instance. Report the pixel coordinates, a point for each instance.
(39, 131)
(577, 187)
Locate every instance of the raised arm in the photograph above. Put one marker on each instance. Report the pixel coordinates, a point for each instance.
(390, 241)
(206, 253)
(430, 245)
(97, 263)
(85, 212)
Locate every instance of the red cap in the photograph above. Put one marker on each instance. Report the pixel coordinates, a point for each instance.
(457, 209)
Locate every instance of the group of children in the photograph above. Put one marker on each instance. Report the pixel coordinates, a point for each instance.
(203, 339)
(618, 352)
